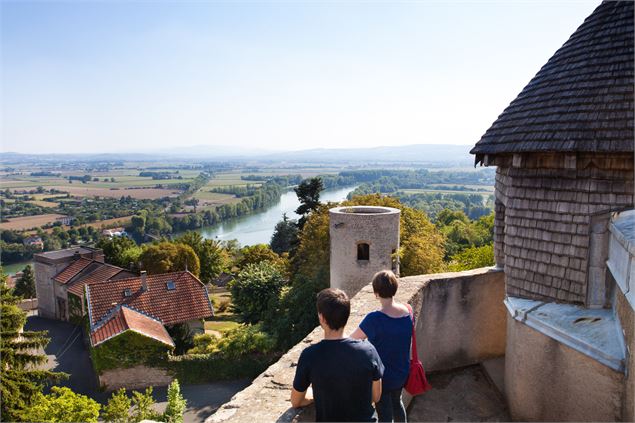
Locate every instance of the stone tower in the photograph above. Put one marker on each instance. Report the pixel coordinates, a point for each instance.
(363, 241)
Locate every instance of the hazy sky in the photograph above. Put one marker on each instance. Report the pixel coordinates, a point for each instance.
(141, 76)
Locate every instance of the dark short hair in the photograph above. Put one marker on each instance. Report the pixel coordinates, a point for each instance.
(333, 304)
(385, 284)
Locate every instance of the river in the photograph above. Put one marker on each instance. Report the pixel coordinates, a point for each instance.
(257, 228)
(248, 230)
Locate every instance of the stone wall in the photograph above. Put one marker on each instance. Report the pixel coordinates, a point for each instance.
(378, 227)
(46, 288)
(556, 209)
(460, 321)
(626, 316)
(546, 380)
(138, 377)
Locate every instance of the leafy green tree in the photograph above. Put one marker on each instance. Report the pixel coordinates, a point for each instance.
(169, 257)
(285, 235)
(256, 289)
(142, 403)
(20, 380)
(257, 253)
(308, 193)
(176, 404)
(25, 286)
(118, 408)
(120, 250)
(213, 258)
(473, 258)
(61, 405)
(447, 216)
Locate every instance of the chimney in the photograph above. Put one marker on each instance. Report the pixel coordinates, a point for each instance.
(76, 256)
(131, 266)
(144, 280)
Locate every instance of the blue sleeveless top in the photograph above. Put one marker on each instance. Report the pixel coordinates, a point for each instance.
(391, 338)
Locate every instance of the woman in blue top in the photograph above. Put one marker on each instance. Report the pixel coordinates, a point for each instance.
(389, 329)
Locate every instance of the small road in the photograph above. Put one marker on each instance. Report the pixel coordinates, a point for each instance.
(67, 353)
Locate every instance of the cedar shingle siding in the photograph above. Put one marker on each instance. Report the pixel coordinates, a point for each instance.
(564, 151)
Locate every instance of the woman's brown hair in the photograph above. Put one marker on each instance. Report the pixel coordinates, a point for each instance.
(385, 284)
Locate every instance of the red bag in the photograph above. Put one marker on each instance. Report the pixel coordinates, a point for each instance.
(417, 382)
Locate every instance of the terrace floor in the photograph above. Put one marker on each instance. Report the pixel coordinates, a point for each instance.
(465, 394)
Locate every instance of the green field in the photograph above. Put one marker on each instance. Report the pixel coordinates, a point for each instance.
(442, 191)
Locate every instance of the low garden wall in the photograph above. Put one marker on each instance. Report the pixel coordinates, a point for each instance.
(460, 321)
(136, 377)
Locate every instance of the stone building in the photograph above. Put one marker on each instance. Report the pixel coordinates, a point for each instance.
(50, 281)
(564, 156)
(364, 240)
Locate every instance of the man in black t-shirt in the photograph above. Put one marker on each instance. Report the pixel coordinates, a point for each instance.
(345, 373)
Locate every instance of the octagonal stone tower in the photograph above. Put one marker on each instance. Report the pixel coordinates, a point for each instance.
(363, 241)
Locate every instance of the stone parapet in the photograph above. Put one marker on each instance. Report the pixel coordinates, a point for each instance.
(460, 321)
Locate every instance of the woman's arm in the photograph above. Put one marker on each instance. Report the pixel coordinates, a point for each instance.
(358, 334)
(376, 390)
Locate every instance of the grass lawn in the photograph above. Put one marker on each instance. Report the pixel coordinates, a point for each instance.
(222, 326)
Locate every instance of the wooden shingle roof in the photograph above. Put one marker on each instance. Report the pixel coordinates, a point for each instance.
(582, 98)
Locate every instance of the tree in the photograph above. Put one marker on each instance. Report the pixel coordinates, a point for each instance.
(256, 289)
(61, 405)
(285, 235)
(142, 403)
(473, 258)
(257, 253)
(25, 286)
(20, 380)
(308, 193)
(118, 408)
(169, 257)
(212, 256)
(120, 250)
(176, 404)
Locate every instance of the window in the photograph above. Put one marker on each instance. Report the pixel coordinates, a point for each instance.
(127, 292)
(363, 251)
(170, 285)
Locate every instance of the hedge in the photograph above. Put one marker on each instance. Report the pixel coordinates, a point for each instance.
(204, 368)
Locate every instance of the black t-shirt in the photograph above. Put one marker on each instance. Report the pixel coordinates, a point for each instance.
(342, 372)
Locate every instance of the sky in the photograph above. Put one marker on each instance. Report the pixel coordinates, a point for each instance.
(146, 76)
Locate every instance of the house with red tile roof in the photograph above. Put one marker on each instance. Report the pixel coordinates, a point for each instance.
(141, 303)
(60, 277)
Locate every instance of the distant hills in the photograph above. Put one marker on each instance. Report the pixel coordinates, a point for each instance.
(416, 153)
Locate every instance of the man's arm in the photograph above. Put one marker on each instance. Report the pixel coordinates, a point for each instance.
(376, 390)
(300, 399)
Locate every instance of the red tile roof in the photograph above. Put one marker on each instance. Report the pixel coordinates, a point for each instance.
(188, 301)
(73, 269)
(125, 319)
(102, 272)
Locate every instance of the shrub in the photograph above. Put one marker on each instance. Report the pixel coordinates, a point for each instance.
(62, 405)
(176, 404)
(223, 305)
